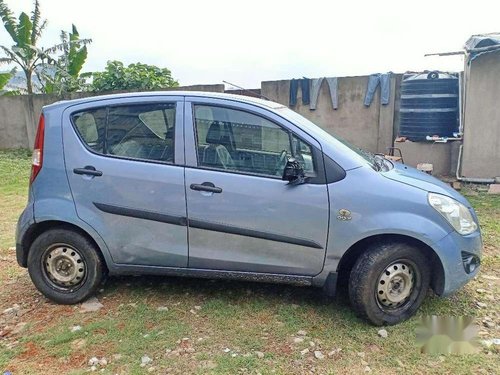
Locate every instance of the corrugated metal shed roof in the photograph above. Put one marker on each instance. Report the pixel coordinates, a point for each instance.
(480, 44)
(483, 40)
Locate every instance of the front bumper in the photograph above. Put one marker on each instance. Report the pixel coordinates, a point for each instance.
(449, 250)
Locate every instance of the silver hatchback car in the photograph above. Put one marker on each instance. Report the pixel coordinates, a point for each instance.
(222, 186)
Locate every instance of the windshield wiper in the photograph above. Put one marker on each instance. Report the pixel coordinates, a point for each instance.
(379, 162)
(372, 158)
(382, 162)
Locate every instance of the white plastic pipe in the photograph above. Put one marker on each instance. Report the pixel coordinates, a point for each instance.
(470, 179)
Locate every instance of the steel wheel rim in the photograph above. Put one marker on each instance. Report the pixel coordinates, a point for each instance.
(64, 266)
(396, 284)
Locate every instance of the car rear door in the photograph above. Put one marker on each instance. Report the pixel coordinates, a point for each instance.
(124, 161)
(241, 215)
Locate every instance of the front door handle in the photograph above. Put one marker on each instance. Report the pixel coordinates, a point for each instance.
(88, 170)
(206, 186)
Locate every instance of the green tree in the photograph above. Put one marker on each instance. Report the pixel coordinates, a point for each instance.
(62, 74)
(138, 76)
(25, 32)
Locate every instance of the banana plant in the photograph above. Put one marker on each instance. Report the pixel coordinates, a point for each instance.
(25, 32)
(62, 74)
(4, 80)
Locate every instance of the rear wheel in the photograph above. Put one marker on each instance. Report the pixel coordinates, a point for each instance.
(389, 282)
(65, 266)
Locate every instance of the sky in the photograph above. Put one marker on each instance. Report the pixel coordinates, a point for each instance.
(245, 43)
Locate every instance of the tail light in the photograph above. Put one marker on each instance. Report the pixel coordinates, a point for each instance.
(38, 149)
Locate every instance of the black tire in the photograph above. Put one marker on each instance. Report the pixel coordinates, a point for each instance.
(87, 255)
(367, 273)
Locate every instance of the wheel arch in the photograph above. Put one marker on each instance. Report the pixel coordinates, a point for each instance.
(36, 229)
(347, 261)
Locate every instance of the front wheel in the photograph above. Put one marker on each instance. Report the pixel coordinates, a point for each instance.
(65, 266)
(389, 282)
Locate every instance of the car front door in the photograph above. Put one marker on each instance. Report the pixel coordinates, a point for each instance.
(241, 215)
(124, 164)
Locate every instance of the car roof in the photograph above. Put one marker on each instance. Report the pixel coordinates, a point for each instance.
(202, 94)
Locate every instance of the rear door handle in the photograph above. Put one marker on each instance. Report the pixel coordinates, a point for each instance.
(206, 186)
(88, 170)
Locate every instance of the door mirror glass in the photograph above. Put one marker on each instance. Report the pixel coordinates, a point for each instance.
(294, 173)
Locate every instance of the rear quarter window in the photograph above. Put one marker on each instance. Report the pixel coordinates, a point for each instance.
(91, 127)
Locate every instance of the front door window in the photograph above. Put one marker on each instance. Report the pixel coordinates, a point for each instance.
(235, 140)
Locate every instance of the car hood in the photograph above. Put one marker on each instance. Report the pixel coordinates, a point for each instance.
(412, 176)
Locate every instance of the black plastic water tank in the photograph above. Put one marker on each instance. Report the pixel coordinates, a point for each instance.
(429, 105)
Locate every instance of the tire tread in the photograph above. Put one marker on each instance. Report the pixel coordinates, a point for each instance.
(95, 265)
(364, 276)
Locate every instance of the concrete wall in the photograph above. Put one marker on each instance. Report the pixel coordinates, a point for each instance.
(371, 128)
(437, 154)
(19, 114)
(481, 150)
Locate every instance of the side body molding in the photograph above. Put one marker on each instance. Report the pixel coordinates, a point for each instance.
(202, 224)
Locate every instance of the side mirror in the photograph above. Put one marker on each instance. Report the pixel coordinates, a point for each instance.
(293, 173)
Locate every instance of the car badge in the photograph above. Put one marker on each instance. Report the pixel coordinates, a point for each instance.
(344, 215)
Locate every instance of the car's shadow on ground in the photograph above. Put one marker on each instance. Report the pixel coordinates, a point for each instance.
(232, 291)
(166, 289)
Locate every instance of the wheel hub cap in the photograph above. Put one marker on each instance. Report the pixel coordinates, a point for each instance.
(64, 266)
(395, 284)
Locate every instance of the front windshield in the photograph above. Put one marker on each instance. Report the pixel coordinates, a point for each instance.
(368, 156)
(363, 156)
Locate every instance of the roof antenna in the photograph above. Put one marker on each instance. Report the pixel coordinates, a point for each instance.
(244, 89)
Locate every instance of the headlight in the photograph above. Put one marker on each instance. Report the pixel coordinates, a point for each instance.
(454, 212)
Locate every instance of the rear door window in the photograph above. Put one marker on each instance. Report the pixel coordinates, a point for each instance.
(131, 131)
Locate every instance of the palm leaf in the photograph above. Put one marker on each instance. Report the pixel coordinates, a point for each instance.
(54, 49)
(11, 56)
(37, 31)
(74, 37)
(81, 42)
(77, 52)
(36, 18)
(74, 33)
(9, 20)
(24, 30)
(27, 53)
(62, 46)
(65, 43)
(76, 60)
(10, 93)
(6, 60)
(4, 79)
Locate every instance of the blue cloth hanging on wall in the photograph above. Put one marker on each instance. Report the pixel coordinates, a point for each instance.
(384, 79)
(294, 88)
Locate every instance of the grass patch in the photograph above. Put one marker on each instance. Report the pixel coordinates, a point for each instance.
(14, 172)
